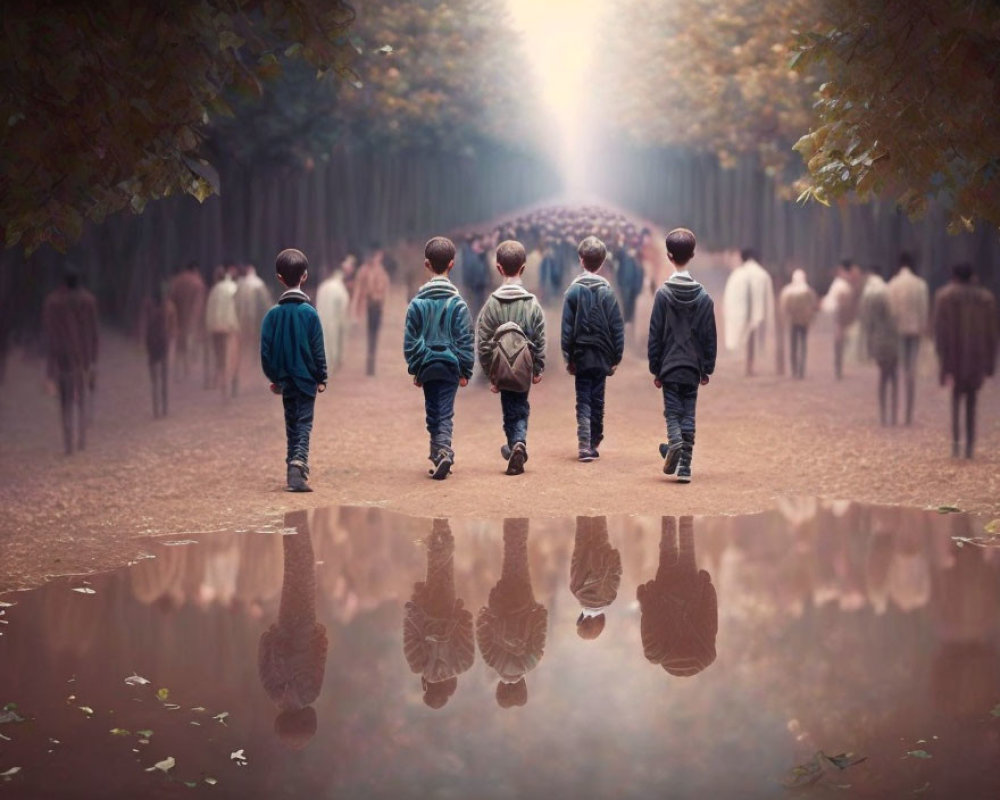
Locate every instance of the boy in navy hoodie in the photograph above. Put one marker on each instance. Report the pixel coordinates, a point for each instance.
(294, 360)
(593, 342)
(682, 348)
(439, 347)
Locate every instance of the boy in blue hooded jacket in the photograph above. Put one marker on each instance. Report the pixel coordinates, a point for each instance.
(293, 358)
(682, 349)
(439, 347)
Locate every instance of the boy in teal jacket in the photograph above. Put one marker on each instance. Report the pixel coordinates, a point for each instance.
(293, 358)
(439, 347)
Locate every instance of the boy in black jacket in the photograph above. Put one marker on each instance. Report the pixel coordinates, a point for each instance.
(682, 348)
(593, 341)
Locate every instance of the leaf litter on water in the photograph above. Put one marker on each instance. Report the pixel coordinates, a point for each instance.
(136, 680)
(812, 772)
(164, 766)
(917, 754)
(84, 590)
(10, 773)
(162, 694)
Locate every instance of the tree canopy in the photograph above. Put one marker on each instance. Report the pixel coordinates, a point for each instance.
(105, 103)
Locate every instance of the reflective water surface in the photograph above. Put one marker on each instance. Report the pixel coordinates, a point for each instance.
(350, 652)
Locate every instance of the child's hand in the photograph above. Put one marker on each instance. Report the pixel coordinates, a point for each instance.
(570, 368)
(417, 383)
(704, 380)
(275, 388)
(321, 387)
(657, 383)
(536, 379)
(494, 388)
(463, 381)
(613, 368)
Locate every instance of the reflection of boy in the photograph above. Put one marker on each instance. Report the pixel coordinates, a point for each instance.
(437, 631)
(294, 360)
(595, 574)
(682, 348)
(511, 629)
(439, 348)
(679, 608)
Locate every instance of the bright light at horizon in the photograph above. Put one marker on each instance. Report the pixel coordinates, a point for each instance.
(561, 38)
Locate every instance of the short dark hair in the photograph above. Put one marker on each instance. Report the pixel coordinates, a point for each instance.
(846, 263)
(590, 627)
(963, 272)
(291, 265)
(680, 245)
(440, 252)
(71, 276)
(511, 257)
(747, 254)
(906, 259)
(592, 253)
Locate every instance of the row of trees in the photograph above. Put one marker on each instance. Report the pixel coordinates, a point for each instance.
(883, 99)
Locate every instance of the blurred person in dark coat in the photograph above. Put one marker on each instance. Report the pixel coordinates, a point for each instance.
(965, 337)
(160, 324)
(69, 321)
(881, 339)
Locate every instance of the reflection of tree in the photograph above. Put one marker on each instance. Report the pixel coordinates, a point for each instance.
(511, 629)
(437, 630)
(595, 574)
(680, 613)
(291, 655)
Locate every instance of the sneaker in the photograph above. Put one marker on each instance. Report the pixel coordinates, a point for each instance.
(586, 454)
(505, 453)
(518, 455)
(671, 454)
(594, 444)
(442, 466)
(684, 475)
(297, 478)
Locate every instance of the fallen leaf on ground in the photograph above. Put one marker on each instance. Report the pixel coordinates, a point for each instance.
(10, 772)
(136, 680)
(164, 766)
(10, 716)
(144, 734)
(211, 781)
(163, 694)
(996, 710)
(238, 757)
(221, 717)
(949, 510)
(86, 710)
(119, 732)
(918, 754)
(84, 590)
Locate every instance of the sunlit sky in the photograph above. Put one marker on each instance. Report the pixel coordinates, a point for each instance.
(561, 38)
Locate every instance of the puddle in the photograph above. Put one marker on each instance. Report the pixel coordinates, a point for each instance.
(369, 654)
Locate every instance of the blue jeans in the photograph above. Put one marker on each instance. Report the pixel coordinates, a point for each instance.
(299, 408)
(439, 403)
(590, 408)
(679, 401)
(515, 409)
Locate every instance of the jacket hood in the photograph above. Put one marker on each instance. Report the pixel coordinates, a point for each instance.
(590, 280)
(294, 296)
(682, 290)
(512, 291)
(437, 289)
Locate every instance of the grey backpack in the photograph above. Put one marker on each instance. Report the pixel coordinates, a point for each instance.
(513, 365)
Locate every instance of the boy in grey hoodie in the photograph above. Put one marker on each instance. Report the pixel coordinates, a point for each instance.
(512, 303)
(682, 349)
(593, 342)
(438, 346)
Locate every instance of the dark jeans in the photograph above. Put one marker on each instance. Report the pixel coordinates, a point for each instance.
(888, 392)
(751, 348)
(298, 423)
(798, 350)
(158, 378)
(374, 324)
(839, 343)
(970, 419)
(439, 403)
(909, 350)
(590, 408)
(679, 402)
(515, 409)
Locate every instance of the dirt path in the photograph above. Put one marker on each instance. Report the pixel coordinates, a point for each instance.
(210, 467)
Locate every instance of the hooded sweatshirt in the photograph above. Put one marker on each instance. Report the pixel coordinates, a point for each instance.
(438, 343)
(682, 338)
(511, 303)
(291, 344)
(593, 331)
